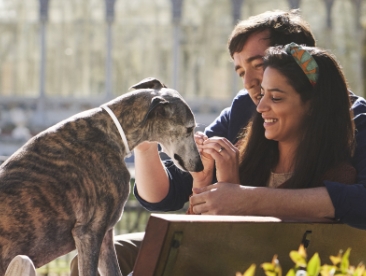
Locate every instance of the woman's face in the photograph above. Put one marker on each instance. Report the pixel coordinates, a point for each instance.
(281, 108)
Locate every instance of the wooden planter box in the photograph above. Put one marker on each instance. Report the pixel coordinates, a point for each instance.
(193, 245)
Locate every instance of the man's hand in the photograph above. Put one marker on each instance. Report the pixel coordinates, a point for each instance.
(218, 199)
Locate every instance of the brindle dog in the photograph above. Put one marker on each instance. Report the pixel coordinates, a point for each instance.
(67, 186)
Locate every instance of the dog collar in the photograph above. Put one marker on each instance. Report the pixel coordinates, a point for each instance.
(119, 127)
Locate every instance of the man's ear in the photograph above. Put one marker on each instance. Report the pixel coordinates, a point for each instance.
(156, 102)
(152, 83)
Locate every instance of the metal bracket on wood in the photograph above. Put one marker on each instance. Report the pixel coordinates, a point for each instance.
(173, 252)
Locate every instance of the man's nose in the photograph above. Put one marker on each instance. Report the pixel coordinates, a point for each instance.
(250, 80)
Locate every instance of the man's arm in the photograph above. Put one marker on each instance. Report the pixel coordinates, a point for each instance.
(159, 186)
(349, 201)
(151, 178)
(226, 198)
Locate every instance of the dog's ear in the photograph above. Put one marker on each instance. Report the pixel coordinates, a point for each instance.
(149, 83)
(156, 102)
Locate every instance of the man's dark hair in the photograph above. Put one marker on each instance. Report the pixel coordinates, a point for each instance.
(284, 27)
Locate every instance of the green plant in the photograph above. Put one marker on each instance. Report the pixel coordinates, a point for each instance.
(340, 266)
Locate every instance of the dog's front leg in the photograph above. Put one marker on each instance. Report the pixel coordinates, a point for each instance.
(108, 264)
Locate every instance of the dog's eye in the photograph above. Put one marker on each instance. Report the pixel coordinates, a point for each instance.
(190, 130)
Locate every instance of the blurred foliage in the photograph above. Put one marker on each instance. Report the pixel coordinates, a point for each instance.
(340, 266)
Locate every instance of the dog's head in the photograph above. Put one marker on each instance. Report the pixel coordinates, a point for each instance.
(170, 121)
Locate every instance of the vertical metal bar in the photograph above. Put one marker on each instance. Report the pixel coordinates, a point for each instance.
(108, 70)
(176, 20)
(108, 66)
(329, 6)
(43, 17)
(176, 55)
(294, 4)
(236, 15)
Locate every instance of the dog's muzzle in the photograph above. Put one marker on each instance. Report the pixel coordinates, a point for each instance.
(193, 166)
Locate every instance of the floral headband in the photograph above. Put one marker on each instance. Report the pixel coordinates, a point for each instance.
(305, 60)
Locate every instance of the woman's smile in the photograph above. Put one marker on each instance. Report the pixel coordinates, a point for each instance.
(281, 107)
(269, 121)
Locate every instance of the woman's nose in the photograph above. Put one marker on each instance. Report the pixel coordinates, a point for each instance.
(262, 105)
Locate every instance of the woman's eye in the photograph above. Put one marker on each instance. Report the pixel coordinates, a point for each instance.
(276, 99)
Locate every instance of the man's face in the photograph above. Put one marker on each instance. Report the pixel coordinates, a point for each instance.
(249, 63)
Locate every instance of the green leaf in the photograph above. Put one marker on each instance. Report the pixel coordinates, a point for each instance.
(360, 270)
(325, 269)
(313, 268)
(335, 259)
(345, 261)
(302, 251)
(297, 258)
(270, 273)
(250, 271)
(269, 269)
(268, 266)
(291, 272)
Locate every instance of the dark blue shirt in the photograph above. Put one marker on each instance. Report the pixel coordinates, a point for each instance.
(349, 200)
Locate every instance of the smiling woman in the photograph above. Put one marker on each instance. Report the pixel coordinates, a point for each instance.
(282, 109)
(303, 132)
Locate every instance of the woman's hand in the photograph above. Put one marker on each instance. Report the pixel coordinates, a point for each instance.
(226, 157)
(205, 177)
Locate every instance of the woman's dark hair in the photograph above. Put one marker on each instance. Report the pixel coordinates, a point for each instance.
(328, 129)
(284, 27)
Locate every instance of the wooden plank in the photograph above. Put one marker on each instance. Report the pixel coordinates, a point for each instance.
(152, 245)
(224, 245)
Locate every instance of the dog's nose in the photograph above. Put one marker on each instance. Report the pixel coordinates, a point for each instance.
(196, 165)
(199, 166)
